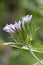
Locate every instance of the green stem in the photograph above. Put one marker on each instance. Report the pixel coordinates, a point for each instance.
(34, 55)
(13, 38)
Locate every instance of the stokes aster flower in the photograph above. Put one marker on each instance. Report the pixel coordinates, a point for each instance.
(17, 26)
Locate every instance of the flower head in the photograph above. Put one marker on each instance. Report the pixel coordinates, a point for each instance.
(26, 19)
(17, 26)
(12, 27)
(8, 29)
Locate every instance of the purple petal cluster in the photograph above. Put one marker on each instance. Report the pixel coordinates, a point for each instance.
(26, 19)
(9, 28)
(13, 27)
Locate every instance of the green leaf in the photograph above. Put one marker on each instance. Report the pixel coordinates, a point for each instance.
(17, 45)
(21, 46)
(38, 46)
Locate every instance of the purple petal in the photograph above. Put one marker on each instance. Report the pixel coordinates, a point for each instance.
(17, 25)
(12, 26)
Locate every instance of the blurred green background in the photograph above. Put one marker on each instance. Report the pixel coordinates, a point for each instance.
(11, 11)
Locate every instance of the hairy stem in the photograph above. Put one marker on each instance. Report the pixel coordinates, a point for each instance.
(34, 55)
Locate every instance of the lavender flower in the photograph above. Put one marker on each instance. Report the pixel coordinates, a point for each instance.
(17, 26)
(8, 29)
(26, 19)
(12, 27)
